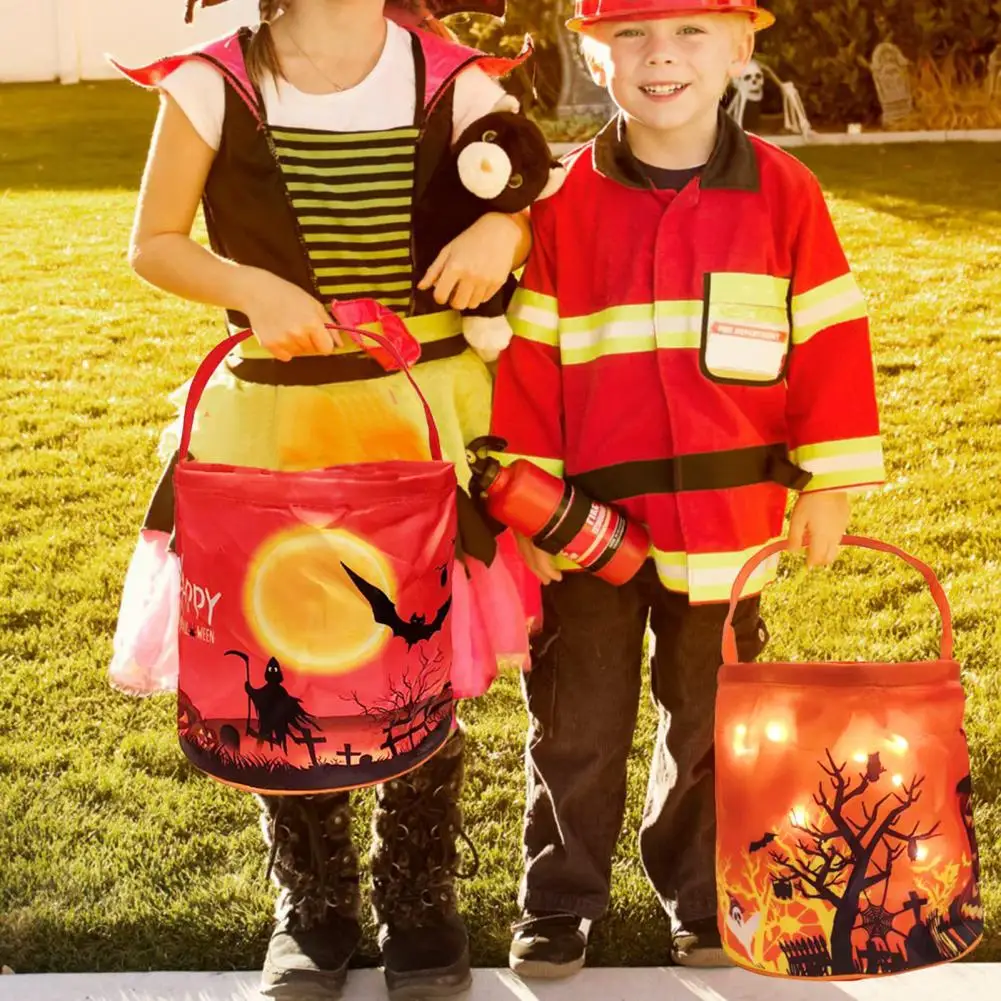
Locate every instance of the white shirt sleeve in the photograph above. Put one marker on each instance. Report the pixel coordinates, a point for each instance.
(476, 95)
(200, 92)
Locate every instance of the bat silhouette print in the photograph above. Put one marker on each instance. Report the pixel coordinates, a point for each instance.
(417, 630)
(765, 841)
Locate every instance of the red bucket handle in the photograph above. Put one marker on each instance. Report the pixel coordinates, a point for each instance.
(730, 639)
(215, 357)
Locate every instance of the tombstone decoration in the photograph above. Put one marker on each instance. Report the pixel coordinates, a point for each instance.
(749, 93)
(891, 73)
(579, 94)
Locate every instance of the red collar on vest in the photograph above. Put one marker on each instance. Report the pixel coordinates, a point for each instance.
(444, 61)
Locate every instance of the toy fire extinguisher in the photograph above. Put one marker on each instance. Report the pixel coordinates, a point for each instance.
(556, 516)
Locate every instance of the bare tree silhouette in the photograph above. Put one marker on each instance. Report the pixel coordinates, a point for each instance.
(413, 707)
(851, 850)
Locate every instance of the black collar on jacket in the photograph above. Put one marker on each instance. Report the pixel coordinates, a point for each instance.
(733, 165)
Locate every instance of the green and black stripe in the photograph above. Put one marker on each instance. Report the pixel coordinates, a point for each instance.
(353, 198)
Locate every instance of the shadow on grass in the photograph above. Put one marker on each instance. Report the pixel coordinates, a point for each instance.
(165, 944)
(924, 182)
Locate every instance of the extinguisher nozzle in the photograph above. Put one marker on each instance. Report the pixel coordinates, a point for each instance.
(486, 443)
(478, 455)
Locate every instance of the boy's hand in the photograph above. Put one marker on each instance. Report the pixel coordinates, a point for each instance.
(819, 521)
(475, 265)
(540, 563)
(286, 320)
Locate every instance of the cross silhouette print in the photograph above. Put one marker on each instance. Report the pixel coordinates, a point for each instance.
(915, 903)
(310, 741)
(348, 755)
(872, 956)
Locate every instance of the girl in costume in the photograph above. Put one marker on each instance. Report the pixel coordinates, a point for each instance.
(309, 139)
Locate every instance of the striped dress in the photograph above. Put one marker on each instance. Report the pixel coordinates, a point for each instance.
(353, 198)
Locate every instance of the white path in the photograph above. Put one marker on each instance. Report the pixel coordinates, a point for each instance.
(962, 982)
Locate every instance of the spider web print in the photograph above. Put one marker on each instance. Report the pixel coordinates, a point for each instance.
(878, 922)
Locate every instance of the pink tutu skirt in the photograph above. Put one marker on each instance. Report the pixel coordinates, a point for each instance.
(491, 607)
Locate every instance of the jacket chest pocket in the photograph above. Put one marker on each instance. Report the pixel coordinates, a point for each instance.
(745, 329)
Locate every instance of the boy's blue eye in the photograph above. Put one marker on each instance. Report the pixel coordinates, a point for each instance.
(691, 29)
(629, 33)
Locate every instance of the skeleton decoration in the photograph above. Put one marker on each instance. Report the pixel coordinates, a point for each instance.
(745, 107)
(751, 86)
(893, 84)
(994, 74)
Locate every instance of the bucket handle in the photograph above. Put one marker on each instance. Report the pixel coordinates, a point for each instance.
(730, 640)
(215, 357)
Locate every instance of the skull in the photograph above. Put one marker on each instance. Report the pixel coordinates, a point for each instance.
(752, 82)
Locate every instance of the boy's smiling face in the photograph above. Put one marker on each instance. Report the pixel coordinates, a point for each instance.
(669, 73)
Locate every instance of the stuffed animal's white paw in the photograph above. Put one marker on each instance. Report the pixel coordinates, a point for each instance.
(488, 336)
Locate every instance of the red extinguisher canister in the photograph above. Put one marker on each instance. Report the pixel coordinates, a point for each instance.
(557, 517)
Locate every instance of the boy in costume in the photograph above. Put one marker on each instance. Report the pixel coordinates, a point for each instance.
(689, 345)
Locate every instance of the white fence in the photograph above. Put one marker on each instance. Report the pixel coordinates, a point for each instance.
(67, 39)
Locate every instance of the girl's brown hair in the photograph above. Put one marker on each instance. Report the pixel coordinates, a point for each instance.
(262, 56)
(418, 15)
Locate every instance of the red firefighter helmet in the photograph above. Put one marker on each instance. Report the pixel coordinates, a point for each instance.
(589, 12)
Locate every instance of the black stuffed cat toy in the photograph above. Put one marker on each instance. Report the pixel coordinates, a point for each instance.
(501, 163)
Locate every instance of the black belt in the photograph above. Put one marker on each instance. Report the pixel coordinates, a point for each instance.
(322, 370)
(738, 467)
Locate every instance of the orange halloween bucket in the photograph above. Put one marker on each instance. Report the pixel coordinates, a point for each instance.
(845, 841)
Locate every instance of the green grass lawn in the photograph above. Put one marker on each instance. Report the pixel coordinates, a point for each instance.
(114, 854)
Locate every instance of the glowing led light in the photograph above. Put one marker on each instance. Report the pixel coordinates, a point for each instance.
(798, 816)
(898, 744)
(777, 733)
(898, 780)
(860, 757)
(740, 747)
(922, 853)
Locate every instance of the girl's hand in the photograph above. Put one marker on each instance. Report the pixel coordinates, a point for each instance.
(475, 265)
(286, 320)
(539, 562)
(818, 522)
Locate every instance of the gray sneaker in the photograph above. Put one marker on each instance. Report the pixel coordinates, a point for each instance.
(698, 945)
(548, 945)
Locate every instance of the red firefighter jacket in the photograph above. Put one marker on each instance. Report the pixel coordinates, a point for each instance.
(689, 356)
